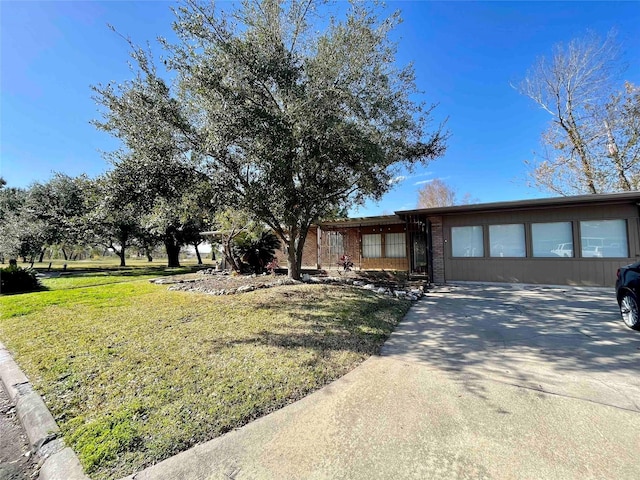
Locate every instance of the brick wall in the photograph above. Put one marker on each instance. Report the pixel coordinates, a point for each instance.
(335, 243)
(352, 246)
(309, 252)
(437, 249)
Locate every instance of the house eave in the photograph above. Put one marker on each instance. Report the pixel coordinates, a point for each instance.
(531, 204)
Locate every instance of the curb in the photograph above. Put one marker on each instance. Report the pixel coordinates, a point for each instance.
(60, 462)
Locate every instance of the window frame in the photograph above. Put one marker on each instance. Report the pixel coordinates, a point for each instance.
(524, 240)
(378, 245)
(599, 250)
(482, 239)
(403, 243)
(335, 243)
(556, 255)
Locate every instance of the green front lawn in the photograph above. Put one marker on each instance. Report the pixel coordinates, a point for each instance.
(134, 373)
(92, 279)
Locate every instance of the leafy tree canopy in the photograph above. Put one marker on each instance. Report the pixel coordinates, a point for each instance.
(289, 123)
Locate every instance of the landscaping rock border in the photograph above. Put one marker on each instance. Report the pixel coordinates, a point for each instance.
(412, 294)
(255, 282)
(192, 286)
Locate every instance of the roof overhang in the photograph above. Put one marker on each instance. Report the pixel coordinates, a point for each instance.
(360, 222)
(533, 204)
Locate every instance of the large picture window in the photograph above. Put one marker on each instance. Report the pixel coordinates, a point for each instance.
(335, 244)
(395, 245)
(467, 242)
(372, 245)
(507, 240)
(552, 239)
(604, 238)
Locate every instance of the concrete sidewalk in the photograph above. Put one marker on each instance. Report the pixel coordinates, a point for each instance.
(476, 383)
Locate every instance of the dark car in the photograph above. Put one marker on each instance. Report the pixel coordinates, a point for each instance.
(628, 292)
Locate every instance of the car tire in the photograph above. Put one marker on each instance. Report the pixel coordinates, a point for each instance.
(629, 311)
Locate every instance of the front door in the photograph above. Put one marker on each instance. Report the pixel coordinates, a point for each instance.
(419, 258)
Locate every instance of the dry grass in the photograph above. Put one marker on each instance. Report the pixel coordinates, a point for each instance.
(134, 373)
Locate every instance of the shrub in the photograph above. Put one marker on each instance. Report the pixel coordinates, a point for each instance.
(345, 262)
(258, 253)
(272, 266)
(15, 279)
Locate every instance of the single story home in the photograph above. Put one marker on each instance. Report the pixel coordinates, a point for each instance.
(579, 240)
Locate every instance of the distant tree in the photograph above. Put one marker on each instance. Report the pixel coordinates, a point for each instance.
(21, 233)
(147, 244)
(293, 122)
(199, 206)
(592, 143)
(156, 168)
(10, 243)
(437, 193)
(32, 239)
(113, 219)
(11, 200)
(60, 206)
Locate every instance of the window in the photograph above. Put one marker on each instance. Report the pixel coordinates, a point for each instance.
(335, 244)
(467, 242)
(372, 245)
(552, 239)
(604, 238)
(395, 245)
(507, 240)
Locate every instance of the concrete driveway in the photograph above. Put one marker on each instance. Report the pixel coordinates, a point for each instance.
(478, 382)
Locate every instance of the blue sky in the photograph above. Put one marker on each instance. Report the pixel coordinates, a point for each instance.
(466, 54)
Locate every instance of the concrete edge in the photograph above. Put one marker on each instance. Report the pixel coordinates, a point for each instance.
(60, 462)
(530, 286)
(63, 465)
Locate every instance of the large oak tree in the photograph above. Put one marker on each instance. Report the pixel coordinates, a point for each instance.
(294, 112)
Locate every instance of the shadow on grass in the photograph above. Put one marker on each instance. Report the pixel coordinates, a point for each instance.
(41, 288)
(355, 320)
(122, 271)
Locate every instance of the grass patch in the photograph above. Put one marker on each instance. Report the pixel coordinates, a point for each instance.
(134, 373)
(92, 279)
(110, 263)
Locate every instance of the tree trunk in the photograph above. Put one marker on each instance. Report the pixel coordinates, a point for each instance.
(124, 237)
(121, 254)
(147, 250)
(294, 253)
(292, 262)
(578, 143)
(41, 255)
(195, 245)
(228, 255)
(173, 252)
(64, 253)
